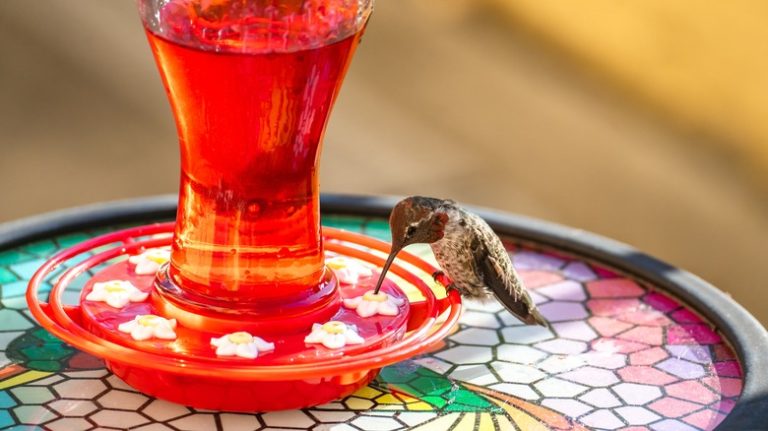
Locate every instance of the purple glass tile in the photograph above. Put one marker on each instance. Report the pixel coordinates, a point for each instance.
(563, 347)
(682, 368)
(575, 330)
(533, 260)
(591, 376)
(672, 425)
(561, 311)
(567, 290)
(579, 271)
(693, 353)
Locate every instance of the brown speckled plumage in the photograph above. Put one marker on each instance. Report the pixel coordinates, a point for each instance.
(467, 249)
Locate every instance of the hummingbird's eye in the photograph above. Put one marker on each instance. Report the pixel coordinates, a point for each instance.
(410, 231)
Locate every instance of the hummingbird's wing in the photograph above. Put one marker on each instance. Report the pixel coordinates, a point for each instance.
(502, 279)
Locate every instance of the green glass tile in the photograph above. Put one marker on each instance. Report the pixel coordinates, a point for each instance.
(41, 248)
(378, 228)
(44, 365)
(12, 256)
(17, 288)
(350, 223)
(33, 394)
(12, 320)
(6, 419)
(397, 374)
(433, 385)
(72, 239)
(6, 401)
(33, 414)
(458, 407)
(16, 302)
(27, 269)
(464, 396)
(6, 276)
(436, 401)
(46, 352)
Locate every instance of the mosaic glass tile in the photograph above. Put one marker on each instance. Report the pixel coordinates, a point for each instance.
(619, 356)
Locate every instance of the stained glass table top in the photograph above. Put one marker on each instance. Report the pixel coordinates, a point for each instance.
(622, 354)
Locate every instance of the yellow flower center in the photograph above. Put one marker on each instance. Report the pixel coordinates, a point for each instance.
(114, 288)
(375, 297)
(240, 338)
(337, 264)
(158, 258)
(148, 320)
(334, 327)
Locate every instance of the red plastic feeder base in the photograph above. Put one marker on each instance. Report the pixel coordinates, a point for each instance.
(293, 373)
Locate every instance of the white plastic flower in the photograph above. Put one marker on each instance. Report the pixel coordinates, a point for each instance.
(116, 293)
(241, 344)
(147, 326)
(149, 261)
(333, 335)
(371, 304)
(348, 271)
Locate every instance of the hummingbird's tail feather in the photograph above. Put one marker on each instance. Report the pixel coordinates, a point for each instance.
(528, 314)
(534, 317)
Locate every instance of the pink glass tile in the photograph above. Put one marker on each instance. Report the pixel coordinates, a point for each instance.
(705, 419)
(692, 391)
(672, 407)
(725, 406)
(613, 307)
(648, 356)
(692, 334)
(614, 288)
(728, 369)
(607, 326)
(533, 278)
(647, 317)
(723, 352)
(644, 334)
(646, 375)
(685, 316)
(661, 302)
(604, 272)
(614, 345)
(729, 387)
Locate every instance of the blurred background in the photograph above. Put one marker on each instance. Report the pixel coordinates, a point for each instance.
(637, 120)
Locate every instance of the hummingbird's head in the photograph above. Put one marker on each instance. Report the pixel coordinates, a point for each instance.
(417, 220)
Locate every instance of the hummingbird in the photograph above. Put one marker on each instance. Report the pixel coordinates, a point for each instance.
(467, 249)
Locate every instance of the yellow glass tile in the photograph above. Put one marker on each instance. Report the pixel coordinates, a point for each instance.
(354, 403)
(389, 407)
(522, 419)
(467, 423)
(504, 424)
(407, 398)
(419, 406)
(486, 423)
(23, 378)
(441, 423)
(388, 399)
(367, 392)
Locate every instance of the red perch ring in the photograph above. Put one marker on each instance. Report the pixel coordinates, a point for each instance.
(295, 374)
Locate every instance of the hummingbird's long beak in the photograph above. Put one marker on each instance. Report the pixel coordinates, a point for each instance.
(387, 264)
